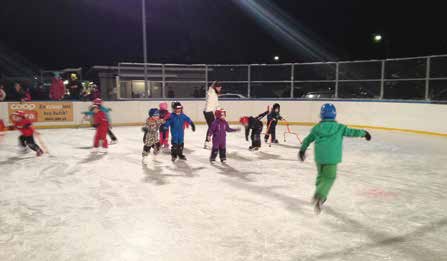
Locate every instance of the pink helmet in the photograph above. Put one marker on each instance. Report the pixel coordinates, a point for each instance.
(164, 106)
(97, 101)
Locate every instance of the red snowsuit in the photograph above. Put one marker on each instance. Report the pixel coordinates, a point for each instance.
(27, 137)
(102, 126)
(25, 127)
(57, 89)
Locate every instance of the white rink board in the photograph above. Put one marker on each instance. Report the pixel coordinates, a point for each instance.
(409, 116)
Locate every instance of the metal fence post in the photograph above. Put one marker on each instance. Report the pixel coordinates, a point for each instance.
(427, 80)
(163, 81)
(249, 82)
(337, 70)
(292, 79)
(382, 80)
(118, 83)
(206, 76)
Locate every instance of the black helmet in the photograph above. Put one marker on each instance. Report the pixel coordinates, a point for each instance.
(276, 106)
(174, 104)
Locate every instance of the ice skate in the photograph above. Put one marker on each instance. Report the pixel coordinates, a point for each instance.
(39, 153)
(318, 205)
(212, 161)
(182, 157)
(174, 158)
(223, 161)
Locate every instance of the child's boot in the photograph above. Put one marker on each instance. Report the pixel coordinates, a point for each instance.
(174, 152)
(180, 152)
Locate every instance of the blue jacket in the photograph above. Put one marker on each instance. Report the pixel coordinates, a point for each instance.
(177, 123)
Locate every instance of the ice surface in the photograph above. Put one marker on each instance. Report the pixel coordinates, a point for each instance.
(388, 202)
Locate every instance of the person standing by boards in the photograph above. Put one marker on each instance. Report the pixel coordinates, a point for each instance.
(211, 105)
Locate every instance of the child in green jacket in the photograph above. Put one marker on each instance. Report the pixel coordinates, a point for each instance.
(328, 136)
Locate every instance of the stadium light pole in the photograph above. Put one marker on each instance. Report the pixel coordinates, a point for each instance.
(143, 3)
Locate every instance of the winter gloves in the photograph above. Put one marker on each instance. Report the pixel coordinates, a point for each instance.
(367, 136)
(302, 155)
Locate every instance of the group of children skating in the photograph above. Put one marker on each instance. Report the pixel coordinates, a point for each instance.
(327, 134)
(328, 137)
(160, 120)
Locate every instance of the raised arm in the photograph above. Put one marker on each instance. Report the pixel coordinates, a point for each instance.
(262, 115)
(348, 132)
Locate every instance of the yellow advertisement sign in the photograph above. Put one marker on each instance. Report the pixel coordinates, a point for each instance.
(44, 111)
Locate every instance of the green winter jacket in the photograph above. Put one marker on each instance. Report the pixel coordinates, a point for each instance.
(328, 136)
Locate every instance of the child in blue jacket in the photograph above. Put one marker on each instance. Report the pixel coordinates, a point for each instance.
(177, 122)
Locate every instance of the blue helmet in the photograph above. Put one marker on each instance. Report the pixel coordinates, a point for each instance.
(154, 112)
(328, 112)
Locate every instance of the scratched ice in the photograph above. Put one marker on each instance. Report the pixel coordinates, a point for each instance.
(388, 203)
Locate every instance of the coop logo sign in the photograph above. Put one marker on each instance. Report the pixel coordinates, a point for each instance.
(44, 111)
(23, 106)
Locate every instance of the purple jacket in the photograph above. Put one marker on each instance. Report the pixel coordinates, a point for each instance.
(218, 130)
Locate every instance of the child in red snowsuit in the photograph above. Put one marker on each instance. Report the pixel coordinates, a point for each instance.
(164, 129)
(102, 126)
(24, 125)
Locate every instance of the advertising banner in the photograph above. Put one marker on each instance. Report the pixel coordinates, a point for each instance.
(44, 111)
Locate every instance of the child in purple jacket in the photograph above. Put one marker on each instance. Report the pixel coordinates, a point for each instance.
(218, 131)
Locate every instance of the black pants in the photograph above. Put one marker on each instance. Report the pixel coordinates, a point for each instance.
(75, 93)
(256, 138)
(112, 136)
(156, 148)
(222, 153)
(177, 150)
(209, 117)
(29, 142)
(271, 131)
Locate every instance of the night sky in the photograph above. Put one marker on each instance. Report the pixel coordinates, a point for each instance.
(65, 33)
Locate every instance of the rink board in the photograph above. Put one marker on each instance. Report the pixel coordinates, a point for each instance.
(420, 118)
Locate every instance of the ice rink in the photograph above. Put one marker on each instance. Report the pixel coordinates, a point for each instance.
(388, 202)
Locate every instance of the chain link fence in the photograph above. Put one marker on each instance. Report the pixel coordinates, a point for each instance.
(417, 78)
